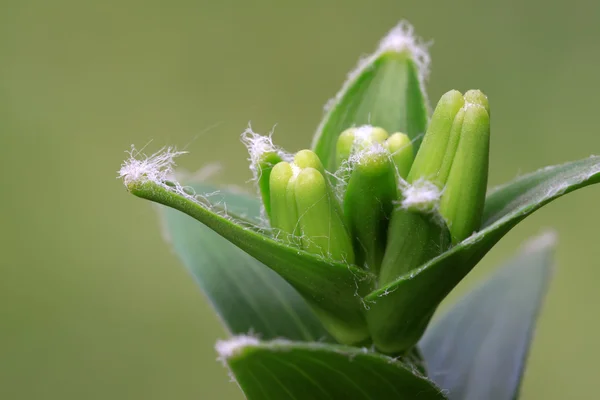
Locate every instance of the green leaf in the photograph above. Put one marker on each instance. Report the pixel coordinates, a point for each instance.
(313, 371)
(401, 310)
(333, 289)
(478, 348)
(247, 295)
(386, 90)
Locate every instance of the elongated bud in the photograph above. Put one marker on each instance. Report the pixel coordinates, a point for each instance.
(284, 215)
(401, 149)
(417, 232)
(357, 139)
(368, 204)
(430, 157)
(322, 228)
(267, 161)
(463, 197)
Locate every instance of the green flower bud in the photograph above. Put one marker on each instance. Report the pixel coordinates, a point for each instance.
(321, 226)
(357, 139)
(417, 232)
(368, 204)
(284, 215)
(447, 185)
(265, 165)
(463, 197)
(308, 159)
(476, 97)
(401, 149)
(432, 152)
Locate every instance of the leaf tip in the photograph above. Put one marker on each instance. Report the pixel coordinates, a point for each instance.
(402, 38)
(140, 168)
(543, 241)
(233, 346)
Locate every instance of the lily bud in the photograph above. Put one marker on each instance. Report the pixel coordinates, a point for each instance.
(447, 181)
(368, 204)
(284, 215)
(356, 139)
(433, 150)
(401, 149)
(322, 228)
(463, 197)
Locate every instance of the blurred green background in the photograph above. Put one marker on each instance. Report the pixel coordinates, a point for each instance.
(93, 305)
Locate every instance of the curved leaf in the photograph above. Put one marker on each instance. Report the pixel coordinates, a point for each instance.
(406, 305)
(333, 289)
(312, 371)
(478, 348)
(247, 295)
(386, 91)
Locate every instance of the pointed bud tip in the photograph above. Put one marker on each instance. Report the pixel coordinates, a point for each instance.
(308, 159)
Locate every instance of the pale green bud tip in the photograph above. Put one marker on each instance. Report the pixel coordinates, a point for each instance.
(308, 159)
(476, 97)
(344, 146)
(400, 148)
(357, 139)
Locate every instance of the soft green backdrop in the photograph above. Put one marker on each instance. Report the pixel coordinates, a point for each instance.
(93, 305)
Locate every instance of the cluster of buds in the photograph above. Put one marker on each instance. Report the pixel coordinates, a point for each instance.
(394, 209)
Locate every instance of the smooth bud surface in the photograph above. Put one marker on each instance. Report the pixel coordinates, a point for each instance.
(284, 215)
(463, 197)
(430, 156)
(321, 227)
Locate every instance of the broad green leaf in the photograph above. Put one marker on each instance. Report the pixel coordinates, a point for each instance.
(247, 295)
(386, 90)
(400, 311)
(333, 289)
(282, 370)
(478, 348)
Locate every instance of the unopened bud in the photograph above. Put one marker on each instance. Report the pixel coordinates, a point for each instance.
(463, 197)
(430, 156)
(401, 149)
(284, 215)
(322, 228)
(356, 139)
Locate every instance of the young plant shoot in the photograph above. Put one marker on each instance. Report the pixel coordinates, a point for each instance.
(328, 278)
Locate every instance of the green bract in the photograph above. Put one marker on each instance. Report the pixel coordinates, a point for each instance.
(369, 230)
